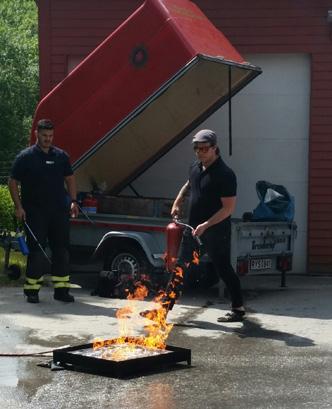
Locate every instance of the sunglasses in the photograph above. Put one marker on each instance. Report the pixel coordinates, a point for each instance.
(203, 149)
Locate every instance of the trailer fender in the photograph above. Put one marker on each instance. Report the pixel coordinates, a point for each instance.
(148, 243)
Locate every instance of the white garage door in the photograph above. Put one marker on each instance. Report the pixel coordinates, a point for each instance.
(270, 141)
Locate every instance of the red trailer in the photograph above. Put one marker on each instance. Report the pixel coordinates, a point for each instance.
(152, 81)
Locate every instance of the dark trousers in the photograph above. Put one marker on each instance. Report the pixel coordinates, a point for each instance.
(216, 243)
(218, 247)
(50, 227)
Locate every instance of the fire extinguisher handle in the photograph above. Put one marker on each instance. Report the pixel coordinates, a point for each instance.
(177, 221)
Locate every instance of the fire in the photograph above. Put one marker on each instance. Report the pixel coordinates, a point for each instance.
(195, 259)
(124, 312)
(179, 272)
(140, 293)
(156, 332)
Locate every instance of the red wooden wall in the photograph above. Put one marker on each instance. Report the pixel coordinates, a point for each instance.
(70, 28)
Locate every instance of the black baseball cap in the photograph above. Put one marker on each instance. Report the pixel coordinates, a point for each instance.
(205, 135)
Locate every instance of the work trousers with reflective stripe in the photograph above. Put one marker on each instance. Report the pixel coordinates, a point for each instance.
(50, 227)
(34, 284)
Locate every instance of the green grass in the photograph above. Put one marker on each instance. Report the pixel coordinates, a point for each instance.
(15, 258)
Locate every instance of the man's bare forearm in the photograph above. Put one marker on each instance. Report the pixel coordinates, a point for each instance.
(14, 193)
(180, 198)
(184, 192)
(228, 206)
(71, 186)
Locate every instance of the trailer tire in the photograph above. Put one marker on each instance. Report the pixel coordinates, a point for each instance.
(129, 260)
(130, 266)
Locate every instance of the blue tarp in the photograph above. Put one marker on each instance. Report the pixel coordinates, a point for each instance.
(276, 204)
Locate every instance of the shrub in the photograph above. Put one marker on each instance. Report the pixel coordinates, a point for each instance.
(7, 212)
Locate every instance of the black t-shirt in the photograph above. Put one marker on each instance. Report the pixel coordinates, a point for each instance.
(207, 188)
(41, 176)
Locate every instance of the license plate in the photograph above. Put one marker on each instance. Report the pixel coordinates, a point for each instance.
(260, 264)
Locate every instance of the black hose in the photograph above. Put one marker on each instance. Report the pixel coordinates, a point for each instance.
(25, 354)
(20, 354)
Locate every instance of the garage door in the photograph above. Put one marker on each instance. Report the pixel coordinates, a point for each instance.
(270, 141)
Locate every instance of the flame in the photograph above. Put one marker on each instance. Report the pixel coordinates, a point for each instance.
(124, 312)
(140, 292)
(156, 332)
(195, 259)
(179, 272)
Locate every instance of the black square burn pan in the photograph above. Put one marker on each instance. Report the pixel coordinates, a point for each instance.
(76, 358)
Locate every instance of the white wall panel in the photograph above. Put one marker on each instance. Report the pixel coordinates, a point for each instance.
(270, 141)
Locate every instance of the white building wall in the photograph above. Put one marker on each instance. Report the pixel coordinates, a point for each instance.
(270, 141)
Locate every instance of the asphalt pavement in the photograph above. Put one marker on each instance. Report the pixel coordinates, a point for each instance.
(280, 357)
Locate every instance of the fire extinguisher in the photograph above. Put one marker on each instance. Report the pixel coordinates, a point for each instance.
(173, 238)
(90, 204)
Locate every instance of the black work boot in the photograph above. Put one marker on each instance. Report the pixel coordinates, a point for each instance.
(32, 296)
(62, 294)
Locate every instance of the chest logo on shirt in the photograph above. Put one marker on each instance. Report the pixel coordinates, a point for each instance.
(49, 162)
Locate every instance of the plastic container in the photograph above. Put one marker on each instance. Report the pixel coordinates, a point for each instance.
(22, 243)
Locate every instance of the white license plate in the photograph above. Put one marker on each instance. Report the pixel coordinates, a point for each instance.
(260, 264)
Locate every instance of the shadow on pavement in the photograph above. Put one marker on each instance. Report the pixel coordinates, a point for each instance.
(252, 329)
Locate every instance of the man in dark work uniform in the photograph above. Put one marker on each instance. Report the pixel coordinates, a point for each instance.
(212, 197)
(42, 202)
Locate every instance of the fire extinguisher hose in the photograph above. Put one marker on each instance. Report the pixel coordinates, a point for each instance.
(177, 221)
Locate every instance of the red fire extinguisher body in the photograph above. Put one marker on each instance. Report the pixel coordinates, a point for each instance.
(173, 238)
(90, 204)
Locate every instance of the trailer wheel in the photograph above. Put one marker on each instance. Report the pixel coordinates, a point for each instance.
(129, 265)
(129, 260)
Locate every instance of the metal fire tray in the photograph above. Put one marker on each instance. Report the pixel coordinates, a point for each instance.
(77, 358)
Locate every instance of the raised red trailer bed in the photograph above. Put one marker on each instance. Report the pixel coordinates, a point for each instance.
(143, 89)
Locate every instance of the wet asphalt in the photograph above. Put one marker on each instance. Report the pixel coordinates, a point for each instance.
(279, 357)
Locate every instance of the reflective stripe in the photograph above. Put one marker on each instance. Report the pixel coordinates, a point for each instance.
(63, 279)
(61, 285)
(31, 280)
(32, 283)
(31, 286)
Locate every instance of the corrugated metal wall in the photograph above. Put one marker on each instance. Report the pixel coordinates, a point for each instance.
(72, 28)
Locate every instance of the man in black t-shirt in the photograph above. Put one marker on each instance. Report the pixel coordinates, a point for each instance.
(212, 196)
(41, 171)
